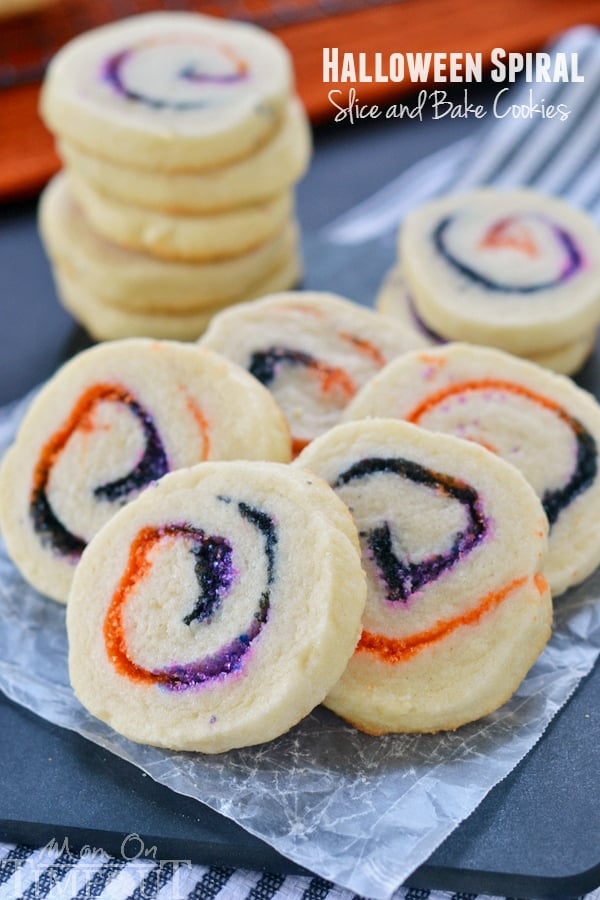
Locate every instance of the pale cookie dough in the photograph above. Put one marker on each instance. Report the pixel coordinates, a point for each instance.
(313, 351)
(187, 238)
(137, 282)
(516, 270)
(453, 539)
(541, 423)
(110, 422)
(104, 321)
(218, 609)
(274, 167)
(172, 91)
(394, 300)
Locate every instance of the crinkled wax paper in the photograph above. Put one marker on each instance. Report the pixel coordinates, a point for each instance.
(361, 811)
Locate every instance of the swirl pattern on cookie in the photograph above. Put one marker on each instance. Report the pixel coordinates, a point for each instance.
(312, 350)
(452, 541)
(215, 574)
(537, 421)
(169, 92)
(401, 577)
(554, 253)
(111, 422)
(333, 380)
(517, 270)
(186, 66)
(218, 608)
(151, 465)
(585, 469)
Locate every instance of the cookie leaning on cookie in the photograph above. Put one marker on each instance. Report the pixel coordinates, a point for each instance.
(541, 423)
(218, 608)
(393, 299)
(109, 423)
(517, 270)
(312, 349)
(453, 540)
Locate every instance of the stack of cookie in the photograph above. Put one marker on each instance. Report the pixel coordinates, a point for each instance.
(515, 270)
(182, 141)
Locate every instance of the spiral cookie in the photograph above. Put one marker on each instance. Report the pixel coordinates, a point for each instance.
(517, 270)
(312, 350)
(174, 91)
(109, 423)
(452, 542)
(139, 283)
(262, 611)
(537, 421)
(274, 167)
(394, 300)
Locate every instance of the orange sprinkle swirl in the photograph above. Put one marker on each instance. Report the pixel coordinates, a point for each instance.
(586, 466)
(397, 650)
(215, 574)
(152, 465)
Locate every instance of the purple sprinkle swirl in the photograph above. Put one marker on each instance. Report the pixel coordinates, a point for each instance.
(215, 575)
(574, 261)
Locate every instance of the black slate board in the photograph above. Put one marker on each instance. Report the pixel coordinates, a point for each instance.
(536, 835)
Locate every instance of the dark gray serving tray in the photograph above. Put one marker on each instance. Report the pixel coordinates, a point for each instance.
(536, 835)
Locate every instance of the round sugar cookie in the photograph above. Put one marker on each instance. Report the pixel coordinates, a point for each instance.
(218, 609)
(274, 167)
(172, 91)
(313, 350)
(109, 423)
(197, 238)
(541, 423)
(453, 539)
(394, 300)
(105, 322)
(140, 283)
(516, 270)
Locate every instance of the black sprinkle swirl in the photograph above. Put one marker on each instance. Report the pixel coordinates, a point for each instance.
(573, 254)
(402, 577)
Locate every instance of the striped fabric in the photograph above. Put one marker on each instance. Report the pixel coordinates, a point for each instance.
(57, 874)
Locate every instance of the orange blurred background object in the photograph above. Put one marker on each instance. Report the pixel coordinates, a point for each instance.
(27, 157)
